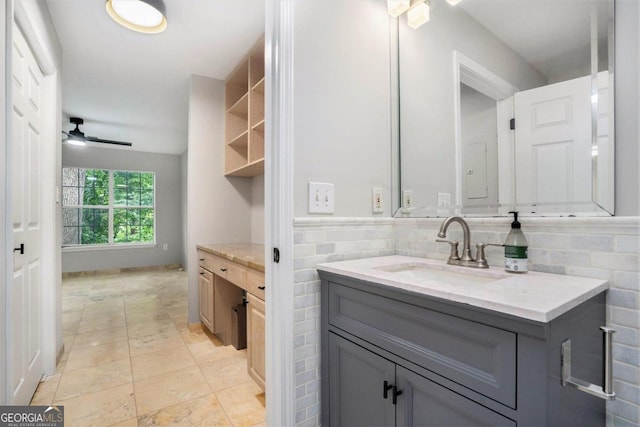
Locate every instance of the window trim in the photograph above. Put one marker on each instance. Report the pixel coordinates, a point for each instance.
(111, 244)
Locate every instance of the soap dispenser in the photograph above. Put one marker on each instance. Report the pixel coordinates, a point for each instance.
(515, 248)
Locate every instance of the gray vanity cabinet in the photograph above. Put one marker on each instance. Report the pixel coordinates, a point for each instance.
(396, 358)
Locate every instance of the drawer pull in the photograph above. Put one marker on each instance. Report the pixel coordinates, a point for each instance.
(201, 259)
(385, 389)
(396, 393)
(261, 288)
(202, 273)
(223, 270)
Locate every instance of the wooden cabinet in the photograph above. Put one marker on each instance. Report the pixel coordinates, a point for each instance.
(221, 285)
(205, 297)
(244, 116)
(255, 339)
(450, 364)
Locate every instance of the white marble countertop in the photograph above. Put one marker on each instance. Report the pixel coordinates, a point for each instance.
(535, 296)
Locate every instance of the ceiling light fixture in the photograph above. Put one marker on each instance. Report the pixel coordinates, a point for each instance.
(143, 16)
(76, 136)
(453, 2)
(419, 14)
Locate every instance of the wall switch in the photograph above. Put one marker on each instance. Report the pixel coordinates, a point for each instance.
(377, 205)
(165, 247)
(321, 197)
(444, 200)
(407, 199)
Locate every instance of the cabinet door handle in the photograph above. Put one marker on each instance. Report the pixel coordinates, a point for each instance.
(261, 288)
(202, 273)
(396, 393)
(201, 259)
(385, 389)
(223, 270)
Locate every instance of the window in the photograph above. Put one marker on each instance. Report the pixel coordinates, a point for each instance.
(103, 207)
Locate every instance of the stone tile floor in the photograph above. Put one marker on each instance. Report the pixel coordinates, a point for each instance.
(130, 359)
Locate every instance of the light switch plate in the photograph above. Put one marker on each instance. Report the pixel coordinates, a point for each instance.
(321, 197)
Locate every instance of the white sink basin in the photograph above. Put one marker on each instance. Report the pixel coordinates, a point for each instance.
(425, 273)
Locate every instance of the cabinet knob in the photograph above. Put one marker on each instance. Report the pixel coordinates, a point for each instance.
(223, 270)
(396, 393)
(385, 389)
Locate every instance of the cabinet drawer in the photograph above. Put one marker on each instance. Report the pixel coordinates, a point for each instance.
(255, 281)
(206, 260)
(476, 356)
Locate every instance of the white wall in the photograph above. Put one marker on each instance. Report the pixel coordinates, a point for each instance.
(184, 158)
(257, 209)
(168, 209)
(342, 102)
(627, 111)
(219, 208)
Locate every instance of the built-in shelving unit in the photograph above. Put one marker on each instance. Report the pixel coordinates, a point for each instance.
(244, 120)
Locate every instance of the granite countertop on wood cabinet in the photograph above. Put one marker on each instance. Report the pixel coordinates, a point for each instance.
(248, 254)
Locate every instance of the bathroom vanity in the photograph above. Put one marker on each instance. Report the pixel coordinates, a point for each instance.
(408, 341)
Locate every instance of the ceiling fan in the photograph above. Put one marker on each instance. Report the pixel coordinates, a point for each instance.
(77, 137)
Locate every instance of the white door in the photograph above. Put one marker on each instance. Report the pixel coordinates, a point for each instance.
(25, 293)
(553, 146)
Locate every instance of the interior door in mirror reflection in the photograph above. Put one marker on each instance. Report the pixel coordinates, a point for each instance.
(553, 156)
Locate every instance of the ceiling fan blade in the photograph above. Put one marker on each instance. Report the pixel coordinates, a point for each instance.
(107, 141)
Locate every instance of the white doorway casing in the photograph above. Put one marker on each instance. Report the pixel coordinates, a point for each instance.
(279, 145)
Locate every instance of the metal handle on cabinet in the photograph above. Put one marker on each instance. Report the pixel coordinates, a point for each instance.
(202, 273)
(262, 288)
(606, 392)
(201, 259)
(223, 270)
(396, 393)
(385, 389)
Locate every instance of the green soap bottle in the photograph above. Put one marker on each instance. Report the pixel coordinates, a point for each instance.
(515, 248)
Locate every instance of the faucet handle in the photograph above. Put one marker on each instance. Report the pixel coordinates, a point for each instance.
(454, 248)
(481, 260)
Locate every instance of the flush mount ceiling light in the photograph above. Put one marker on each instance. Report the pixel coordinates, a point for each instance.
(143, 16)
(453, 2)
(419, 14)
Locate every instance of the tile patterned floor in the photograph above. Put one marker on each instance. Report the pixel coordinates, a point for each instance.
(130, 359)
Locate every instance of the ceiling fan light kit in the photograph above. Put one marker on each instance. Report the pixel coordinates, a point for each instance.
(142, 16)
(77, 137)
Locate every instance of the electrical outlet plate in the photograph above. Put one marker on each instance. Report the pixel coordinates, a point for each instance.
(377, 203)
(321, 197)
(407, 199)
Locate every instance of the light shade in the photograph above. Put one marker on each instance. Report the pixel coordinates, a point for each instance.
(453, 2)
(397, 7)
(419, 14)
(143, 16)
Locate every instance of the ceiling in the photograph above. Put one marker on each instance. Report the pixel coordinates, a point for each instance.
(134, 87)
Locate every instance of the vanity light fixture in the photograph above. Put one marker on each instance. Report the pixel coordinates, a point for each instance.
(398, 7)
(143, 16)
(419, 14)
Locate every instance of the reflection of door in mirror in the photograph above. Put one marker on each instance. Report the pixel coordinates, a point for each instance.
(529, 44)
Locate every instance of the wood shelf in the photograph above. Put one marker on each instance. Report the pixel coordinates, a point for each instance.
(244, 117)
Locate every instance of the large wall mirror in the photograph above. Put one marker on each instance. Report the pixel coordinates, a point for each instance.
(506, 104)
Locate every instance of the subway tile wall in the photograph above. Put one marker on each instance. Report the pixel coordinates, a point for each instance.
(607, 248)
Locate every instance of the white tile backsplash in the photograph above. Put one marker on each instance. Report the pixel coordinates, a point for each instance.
(602, 248)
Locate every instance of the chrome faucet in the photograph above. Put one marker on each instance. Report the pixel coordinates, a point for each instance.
(467, 260)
